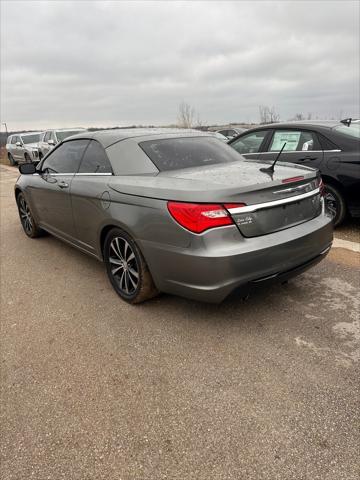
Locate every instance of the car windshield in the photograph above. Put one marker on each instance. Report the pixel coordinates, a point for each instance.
(352, 131)
(179, 153)
(30, 138)
(64, 134)
(220, 136)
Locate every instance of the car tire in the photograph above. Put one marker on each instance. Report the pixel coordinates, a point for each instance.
(127, 269)
(11, 160)
(27, 220)
(27, 158)
(335, 204)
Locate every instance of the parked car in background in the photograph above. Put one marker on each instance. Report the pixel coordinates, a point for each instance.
(330, 146)
(23, 147)
(218, 135)
(181, 213)
(50, 138)
(230, 133)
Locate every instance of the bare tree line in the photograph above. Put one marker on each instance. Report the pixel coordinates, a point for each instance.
(188, 117)
(268, 114)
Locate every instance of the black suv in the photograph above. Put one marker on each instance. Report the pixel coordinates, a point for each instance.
(330, 146)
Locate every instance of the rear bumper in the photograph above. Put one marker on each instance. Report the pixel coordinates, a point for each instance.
(221, 260)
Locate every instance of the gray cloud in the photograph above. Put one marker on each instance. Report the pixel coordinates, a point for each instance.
(115, 63)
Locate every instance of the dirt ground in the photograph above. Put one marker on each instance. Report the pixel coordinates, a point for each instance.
(93, 388)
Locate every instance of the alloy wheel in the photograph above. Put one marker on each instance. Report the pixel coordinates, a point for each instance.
(124, 266)
(331, 204)
(25, 215)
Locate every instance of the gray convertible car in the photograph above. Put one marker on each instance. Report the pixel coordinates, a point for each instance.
(176, 212)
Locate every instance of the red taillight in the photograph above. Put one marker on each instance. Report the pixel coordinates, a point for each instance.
(321, 187)
(229, 206)
(292, 179)
(198, 217)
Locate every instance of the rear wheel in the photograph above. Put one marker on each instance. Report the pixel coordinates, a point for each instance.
(127, 269)
(27, 220)
(335, 204)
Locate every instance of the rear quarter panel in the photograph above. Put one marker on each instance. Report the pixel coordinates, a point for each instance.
(147, 220)
(342, 169)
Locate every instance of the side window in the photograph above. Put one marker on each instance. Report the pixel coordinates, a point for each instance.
(13, 140)
(326, 144)
(95, 159)
(250, 143)
(52, 136)
(296, 141)
(46, 137)
(66, 158)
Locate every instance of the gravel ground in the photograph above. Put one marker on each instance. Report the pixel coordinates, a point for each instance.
(92, 388)
(349, 230)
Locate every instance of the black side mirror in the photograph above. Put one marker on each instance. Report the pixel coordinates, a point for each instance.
(27, 168)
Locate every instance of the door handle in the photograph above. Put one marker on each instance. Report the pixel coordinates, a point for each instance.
(63, 184)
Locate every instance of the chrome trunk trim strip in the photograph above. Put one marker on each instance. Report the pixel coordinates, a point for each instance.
(274, 203)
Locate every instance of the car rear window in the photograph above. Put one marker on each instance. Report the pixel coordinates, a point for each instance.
(352, 131)
(179, 153)
(61, 135)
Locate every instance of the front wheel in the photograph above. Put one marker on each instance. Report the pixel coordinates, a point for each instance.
(127, 269)
(27, 220)
(11, 160)
(335, 204)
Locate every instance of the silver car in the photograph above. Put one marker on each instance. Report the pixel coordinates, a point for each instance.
(23, 147)
(231, 133)
(50, 138)
(181, 213)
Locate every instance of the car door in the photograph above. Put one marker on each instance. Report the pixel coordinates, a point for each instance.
(45, 147)
(90, 195)
(12, 147)
(301, 147)
(251, 143)
(53, 140)
(17, 149)
(50, 191)
(42, 144)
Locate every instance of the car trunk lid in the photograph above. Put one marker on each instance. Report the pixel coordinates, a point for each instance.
(290, 206)
(268, 202)
(242, 182)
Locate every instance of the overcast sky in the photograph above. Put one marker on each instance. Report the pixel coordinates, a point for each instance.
(80, 63)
